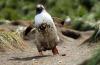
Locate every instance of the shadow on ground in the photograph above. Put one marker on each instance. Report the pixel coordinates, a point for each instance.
(28, 58)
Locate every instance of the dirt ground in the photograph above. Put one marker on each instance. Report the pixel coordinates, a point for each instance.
(70, 53)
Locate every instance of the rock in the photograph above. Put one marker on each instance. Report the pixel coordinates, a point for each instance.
(59, 61)
(63, 55)
(71, 33)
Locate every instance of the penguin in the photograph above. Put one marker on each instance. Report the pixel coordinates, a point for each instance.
(46, 31)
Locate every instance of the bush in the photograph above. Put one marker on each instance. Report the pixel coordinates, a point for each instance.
(95, 60)
(96, 9)
(9, 14)
(82, 25)
(77, 24)
(96, 36)
(25, 9)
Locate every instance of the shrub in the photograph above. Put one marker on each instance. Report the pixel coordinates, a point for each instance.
(9, 14)
(95, 60)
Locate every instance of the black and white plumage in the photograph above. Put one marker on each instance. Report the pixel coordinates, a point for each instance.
(47, 33)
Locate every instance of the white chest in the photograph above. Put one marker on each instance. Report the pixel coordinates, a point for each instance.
(43, 17)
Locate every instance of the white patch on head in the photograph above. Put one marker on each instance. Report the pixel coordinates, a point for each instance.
(40, 5)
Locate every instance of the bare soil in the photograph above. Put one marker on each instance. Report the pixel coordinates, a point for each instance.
(70, 53)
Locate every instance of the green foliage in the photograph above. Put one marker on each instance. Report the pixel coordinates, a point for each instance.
(63, 8)
(96, 9)
(95, 60)
(15, 9)
(86, 27)
(9, 14)
(96, 36)
(81, 25)
(25, 9)
(77, 24)
(81, 11)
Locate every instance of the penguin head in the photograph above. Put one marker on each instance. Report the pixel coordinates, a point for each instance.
(39, 8)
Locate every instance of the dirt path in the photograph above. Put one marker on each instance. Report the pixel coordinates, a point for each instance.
(74, 54)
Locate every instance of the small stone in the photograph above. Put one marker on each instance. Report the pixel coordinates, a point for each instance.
(63, 55)
(36, 61)
(59, 61)
(64, 46)
(33, 59)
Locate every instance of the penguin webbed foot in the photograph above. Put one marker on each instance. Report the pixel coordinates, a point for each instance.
(55, 51)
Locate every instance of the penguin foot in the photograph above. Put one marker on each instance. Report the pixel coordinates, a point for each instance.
(55, 51)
